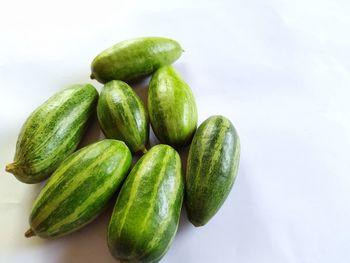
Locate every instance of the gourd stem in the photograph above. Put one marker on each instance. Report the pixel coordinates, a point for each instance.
(10, 167)
(29, 233)
(143, 149)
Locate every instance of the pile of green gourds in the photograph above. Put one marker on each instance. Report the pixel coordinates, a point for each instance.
(151, 193)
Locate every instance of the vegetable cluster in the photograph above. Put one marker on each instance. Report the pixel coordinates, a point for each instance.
(150, 194)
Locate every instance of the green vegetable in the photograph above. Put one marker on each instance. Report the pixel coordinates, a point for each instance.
(122, 115)
(79, 189)
(147, 211)
(211, 168)
(172, 108)
(135, 58)
(52, 132)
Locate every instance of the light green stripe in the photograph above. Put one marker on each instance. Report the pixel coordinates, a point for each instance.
(203, 141)
(237, 153)
(67, 122)
(41, 165)
(152, 201)
(90, 200)
(171, 123)
(217, 149)
(130, 117)
(157, 105)
(118, 116)
(76, 180)
(54, 103)
(111, 105)
(34, 117)
(55, 179)
(134, 189)
(157, 236)
(160, 231)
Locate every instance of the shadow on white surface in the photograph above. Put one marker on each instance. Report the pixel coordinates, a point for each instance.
(93, 133)
(183, 152)
(184, 224)
(141, 88)
(88, 244)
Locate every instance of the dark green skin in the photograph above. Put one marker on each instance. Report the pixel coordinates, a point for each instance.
(52, 132)
(122, 115)
(86, 180)
(172, 107)
(135, 58)
(211, 168)
(146, 215)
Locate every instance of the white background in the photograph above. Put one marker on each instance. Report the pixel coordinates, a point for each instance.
(278, 69)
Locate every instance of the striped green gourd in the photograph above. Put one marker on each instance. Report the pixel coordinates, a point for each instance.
(172, 107)
(122, 116)
(52, 132)
(211, 168)
(79, 190)
(146, 215)
(135, 58)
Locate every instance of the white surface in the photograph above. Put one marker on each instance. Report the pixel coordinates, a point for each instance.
(278, 69)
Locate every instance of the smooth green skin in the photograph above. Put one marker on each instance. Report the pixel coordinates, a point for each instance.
(172, 107)
(135, 58)
(52, 132)
(122, 115)
(146, 215)
(211, 168)
(86, 180)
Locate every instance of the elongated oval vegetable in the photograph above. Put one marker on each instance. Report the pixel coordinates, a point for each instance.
(122, 116)
(79, 189)
(135, 58)
(146, 215)
(211, 168)
(52, 132)
(172, 107)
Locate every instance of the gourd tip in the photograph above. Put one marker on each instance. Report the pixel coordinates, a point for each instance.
(29, 233)
(92, 76)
